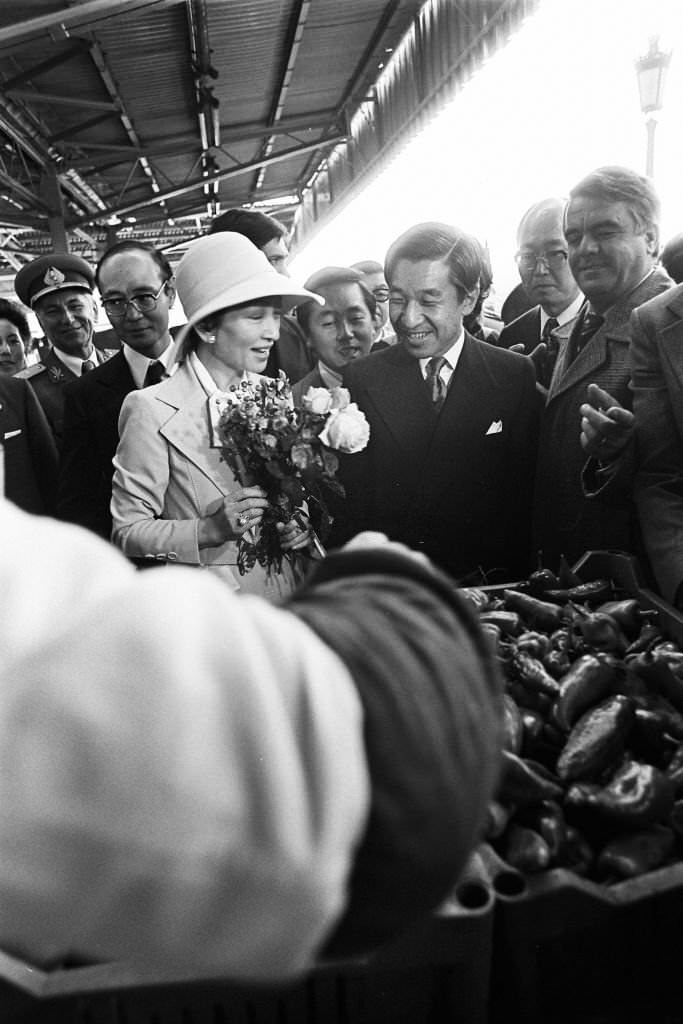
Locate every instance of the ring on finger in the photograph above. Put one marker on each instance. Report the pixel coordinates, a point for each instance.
(242, 519)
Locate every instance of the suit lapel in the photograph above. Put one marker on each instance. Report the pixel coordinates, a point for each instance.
(469, 393)
(400, 397)
(116, 376)
(671, 347)
(186, 426)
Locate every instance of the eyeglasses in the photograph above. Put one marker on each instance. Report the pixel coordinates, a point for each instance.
(144, 303)
(553, 260)
(381, 294)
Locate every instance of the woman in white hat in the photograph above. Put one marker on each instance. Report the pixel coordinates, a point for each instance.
(173, 498)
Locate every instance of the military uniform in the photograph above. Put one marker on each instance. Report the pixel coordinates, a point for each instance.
(43, 276)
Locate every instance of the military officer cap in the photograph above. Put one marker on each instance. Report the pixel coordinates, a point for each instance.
(53, 273)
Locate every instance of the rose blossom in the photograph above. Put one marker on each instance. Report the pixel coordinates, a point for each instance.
(346, 430)
(341, 397)
(317, 400)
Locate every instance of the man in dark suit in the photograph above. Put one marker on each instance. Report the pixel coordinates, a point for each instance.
(453, 421)
(27, 450)
(612, 233)
(137, 289)
(59, 289)
(340, 331)
(548, 281)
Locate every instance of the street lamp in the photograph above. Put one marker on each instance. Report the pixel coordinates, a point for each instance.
(651, 70)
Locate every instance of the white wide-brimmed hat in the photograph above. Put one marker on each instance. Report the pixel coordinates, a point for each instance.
(226, 269)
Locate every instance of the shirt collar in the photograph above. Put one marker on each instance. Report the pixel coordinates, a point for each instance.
(452, 355)
(74, 363)
(138, 364)
(566, 315)
(329, 377)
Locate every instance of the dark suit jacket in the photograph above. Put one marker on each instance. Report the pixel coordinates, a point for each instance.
(290, 353)
(30, 454)
(457, 486)
(525, 330)
(48, 379)
(91, 415)
(565, 522)
(657, 377)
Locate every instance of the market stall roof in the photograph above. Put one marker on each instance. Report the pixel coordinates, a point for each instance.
(144, 118)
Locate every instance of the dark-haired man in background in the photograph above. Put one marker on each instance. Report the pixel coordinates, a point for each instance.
(338, 332)
(449, 465)
(290, 353)
(137, 289)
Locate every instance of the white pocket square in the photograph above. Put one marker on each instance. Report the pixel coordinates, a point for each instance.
(11, 433)
(495, 428)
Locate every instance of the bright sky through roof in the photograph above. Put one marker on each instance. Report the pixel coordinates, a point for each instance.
(559, 100)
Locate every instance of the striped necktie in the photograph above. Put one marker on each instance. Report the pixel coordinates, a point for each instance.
(435, 382)
(545, 371)
(590, 323)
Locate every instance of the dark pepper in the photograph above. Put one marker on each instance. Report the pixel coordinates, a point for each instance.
(542, 580)
(497, 817)
(533, 674)
(589, 680)
(533, 643)
(526, 782)
(513, 727)
(475, 596)
(576, 853)
(508, 622)
(557, 663)
(528, 698)
(603, 633)
(647, 638)
(649, 740)
(526, 850)
(546, 818)
(538, 614)
(635, 854)
(637, 795)
(657, 672)
(597, 740)
(583, 593)
(627, 613)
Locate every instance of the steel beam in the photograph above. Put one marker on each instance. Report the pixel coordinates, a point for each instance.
(80, 16)
(192, 186)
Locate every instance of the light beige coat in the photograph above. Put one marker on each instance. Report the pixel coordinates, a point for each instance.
(166, 476)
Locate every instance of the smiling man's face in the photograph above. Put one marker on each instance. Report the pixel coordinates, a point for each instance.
(341, 330)
(425, 308)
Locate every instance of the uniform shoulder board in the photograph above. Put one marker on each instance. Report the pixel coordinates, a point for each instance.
(30, 371)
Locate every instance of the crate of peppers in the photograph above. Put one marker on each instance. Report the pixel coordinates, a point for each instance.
(589, 808)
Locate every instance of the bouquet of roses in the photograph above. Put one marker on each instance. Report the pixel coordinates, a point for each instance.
(290, 453)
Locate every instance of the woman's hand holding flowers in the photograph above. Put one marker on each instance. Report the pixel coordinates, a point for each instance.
(294, 535)
(236, 514)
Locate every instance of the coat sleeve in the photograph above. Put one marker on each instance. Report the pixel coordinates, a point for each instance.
(79, 469)
(659, 479)
(43, 450)
(183, 780)
(431, 699)
(141, 480)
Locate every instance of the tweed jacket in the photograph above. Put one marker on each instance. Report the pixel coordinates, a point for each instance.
(565, 521)
(657, 379)
(49, 378)
(167, 476)
(91, 434)
(29, 452)
(458, 485)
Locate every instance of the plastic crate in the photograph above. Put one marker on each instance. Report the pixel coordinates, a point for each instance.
(570, 951)
(437, 974)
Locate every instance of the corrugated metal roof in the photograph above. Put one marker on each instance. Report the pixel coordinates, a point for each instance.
(117, 103)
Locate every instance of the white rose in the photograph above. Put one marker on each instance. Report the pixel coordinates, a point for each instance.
(347, 430)
(341, 397)
(317, 400)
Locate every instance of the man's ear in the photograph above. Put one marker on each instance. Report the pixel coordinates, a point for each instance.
(652, 240)
(171, 291)
(470, 301)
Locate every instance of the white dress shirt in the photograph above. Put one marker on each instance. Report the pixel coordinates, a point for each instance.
(139, 364)
(451, 356)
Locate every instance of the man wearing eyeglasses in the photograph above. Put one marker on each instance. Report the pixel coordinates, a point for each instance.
(137, 290)
(375, 281)
(59, 290)
(548, 281)
(611, 227)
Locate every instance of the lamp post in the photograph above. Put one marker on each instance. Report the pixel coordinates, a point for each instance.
(651, 70)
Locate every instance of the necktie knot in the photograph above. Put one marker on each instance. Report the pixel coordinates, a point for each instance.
(435, 382)
(155, 373)
(87, 365)
(590, 323)
(550, 325)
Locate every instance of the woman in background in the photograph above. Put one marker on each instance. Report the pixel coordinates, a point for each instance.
(15, 338)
